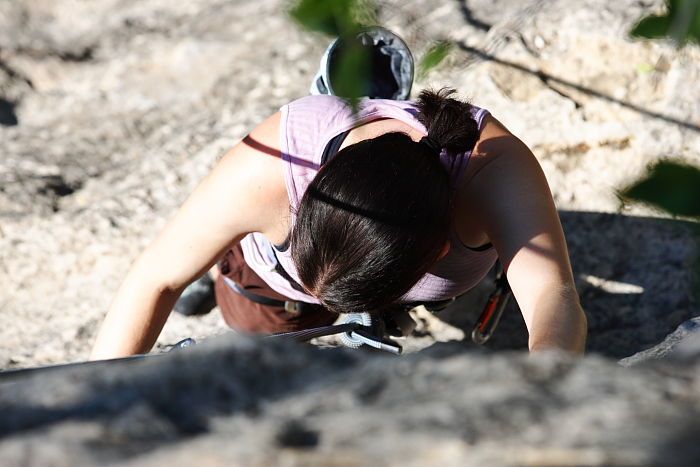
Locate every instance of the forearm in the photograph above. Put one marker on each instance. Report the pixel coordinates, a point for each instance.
(134, 320)
(559, 322)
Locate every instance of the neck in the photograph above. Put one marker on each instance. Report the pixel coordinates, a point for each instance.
(377, 128)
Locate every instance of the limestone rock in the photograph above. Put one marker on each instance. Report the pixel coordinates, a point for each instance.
(240, 402)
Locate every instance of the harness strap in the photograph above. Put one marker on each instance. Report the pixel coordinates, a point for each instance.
(290, 306)
(308, 334)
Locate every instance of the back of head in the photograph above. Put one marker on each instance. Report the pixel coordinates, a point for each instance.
(377, 216)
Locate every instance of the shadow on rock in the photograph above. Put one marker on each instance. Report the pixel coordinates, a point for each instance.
(173, 394)
(634, 276)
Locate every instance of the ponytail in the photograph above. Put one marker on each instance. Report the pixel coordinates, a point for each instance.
(449, 121)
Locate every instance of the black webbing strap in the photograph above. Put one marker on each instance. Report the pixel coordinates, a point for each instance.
(333, 146)
(253, 297)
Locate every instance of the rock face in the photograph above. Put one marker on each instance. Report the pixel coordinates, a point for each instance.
(112, 111)
(680, 344)
(240, 402)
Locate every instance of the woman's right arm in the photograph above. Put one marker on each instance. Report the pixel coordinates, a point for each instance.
(242, 194)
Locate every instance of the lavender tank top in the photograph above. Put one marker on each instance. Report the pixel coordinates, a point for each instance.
(307, 125)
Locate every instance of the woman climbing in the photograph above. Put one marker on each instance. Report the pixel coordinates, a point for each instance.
(321, 210)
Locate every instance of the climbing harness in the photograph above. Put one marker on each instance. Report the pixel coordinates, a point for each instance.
(358, 329)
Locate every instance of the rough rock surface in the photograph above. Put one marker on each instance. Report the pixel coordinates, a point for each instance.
(283, 404)
(676, 344)
(112, 111)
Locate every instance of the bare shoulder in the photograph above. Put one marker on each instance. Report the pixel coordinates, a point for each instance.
(256, 164)
(495, 142)
(498, 158)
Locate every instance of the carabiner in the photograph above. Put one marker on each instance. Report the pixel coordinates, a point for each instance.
(496, 304)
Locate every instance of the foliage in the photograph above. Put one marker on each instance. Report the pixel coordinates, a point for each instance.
(343, 19)
(671, 186)
(433, 57)
(351, 77)
(681, 22)
(337, 18)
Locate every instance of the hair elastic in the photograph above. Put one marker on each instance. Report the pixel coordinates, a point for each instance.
(431, 144)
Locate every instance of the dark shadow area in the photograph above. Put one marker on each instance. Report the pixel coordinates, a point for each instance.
(180, 393)
(678, 444)
(8, 117)
(634, 276)
(546, 78)
(56, 185)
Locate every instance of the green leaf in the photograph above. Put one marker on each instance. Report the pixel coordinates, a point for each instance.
(332, 17)
(681, 23)
(351, 77)
(652, 27)
(694, 28)
(671, 186)
(365, 13)
(433, 57)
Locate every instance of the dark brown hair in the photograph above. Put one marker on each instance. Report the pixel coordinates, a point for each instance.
(376, 216)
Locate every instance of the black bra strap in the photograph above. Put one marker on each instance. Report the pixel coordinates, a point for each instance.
(333, 146)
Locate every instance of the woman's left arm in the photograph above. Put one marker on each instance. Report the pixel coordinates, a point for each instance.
(509, 197)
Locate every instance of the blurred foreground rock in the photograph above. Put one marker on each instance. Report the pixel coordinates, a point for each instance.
(235, 401)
